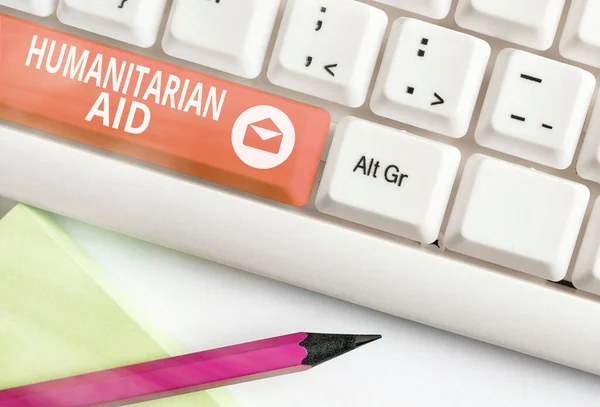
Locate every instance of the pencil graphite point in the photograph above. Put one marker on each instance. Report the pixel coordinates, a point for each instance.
(323, 347)
(364, 339)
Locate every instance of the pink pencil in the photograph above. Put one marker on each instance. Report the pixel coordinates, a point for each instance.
(187, 373)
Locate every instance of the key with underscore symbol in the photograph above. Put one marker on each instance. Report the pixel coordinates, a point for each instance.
(535, 108)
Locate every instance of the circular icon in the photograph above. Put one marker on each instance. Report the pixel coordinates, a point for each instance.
(263, 137)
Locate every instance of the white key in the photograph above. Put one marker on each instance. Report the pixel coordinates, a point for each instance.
(431, 8)
(581, 38)
(195, 33)
(516, 217)
(532, 23)
(588, 165)
(328, 49)
(42, 8)
(586, 274)
(430, 77)
(388, 179)
(133, 21)
(535, 108)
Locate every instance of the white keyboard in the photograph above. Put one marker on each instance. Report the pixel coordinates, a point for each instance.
(458, 186)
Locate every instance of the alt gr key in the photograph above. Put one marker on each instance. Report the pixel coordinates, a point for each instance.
(388, 179)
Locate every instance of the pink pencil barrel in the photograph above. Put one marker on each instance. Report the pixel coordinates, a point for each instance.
(171, 376)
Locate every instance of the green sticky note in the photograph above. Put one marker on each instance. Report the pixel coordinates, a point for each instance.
(61, 315)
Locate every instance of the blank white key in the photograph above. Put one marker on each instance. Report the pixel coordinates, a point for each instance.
(588, 165)
(328, 49)
(535, 108)
(430, 77)
(586, 275)
(42, 8)
(388, 179)
(431, 8)
(195, 32)
(532, 23)
(581, 37)
(133, 21)
(516, 217)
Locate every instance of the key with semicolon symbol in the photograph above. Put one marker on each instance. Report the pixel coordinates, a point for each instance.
(430, 77)
(388, 179)
(160, 113)
(328, 49)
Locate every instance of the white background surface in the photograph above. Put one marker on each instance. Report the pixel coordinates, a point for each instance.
(205, 305)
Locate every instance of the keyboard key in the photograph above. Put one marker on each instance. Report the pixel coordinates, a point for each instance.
(160, 113)
(42, 8)
(195, 33)
(430, 77)
(133, 21)
(588, 165)
(581, 38)
(531, 23)
(516, 217)
(328, 49)
(586, 274)
(535, 108)
(388, 179)
(431, 8)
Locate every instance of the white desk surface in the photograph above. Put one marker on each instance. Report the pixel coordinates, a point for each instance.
(205, 305)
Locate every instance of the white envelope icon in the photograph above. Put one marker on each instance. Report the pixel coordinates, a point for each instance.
(265, 134)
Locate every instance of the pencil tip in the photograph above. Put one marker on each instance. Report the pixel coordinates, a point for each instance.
(364, 339)
(323, 347)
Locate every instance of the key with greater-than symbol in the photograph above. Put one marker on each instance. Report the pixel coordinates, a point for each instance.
(430, 77)
(159, 113)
